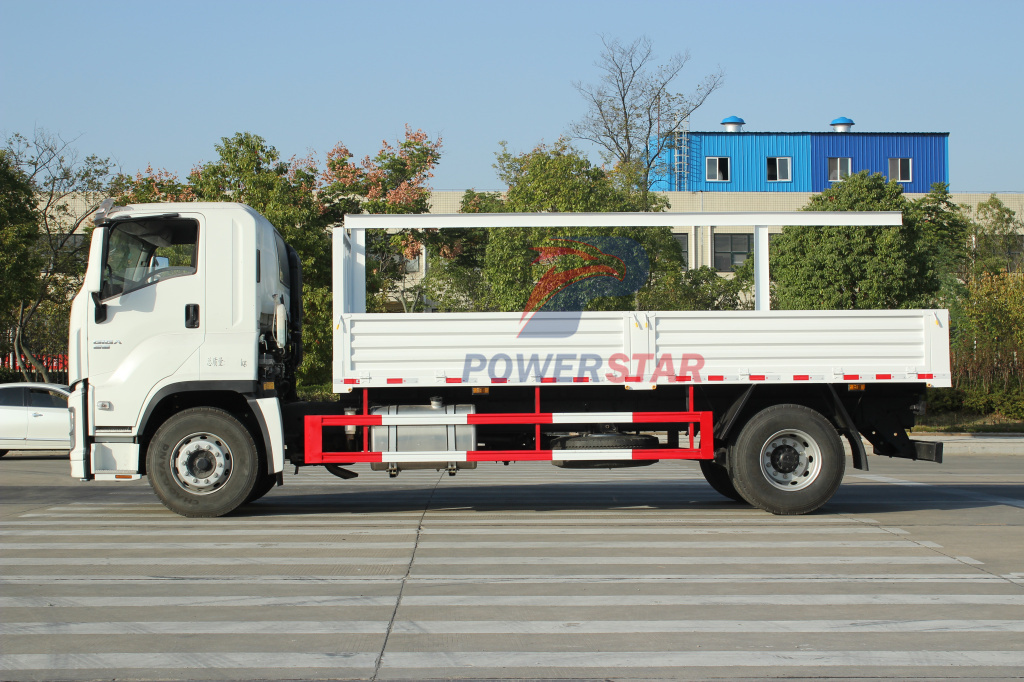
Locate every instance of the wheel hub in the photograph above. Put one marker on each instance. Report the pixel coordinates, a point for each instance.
(201, 463)
(790, 460)
(785, 459)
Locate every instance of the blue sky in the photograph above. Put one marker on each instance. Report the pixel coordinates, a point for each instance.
(161, 82)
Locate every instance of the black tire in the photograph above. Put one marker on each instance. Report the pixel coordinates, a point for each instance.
(596, 441)
(718, 476)
(202, 462)
(264, 484)
(787, 459)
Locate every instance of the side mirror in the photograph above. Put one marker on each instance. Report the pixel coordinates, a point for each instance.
(94, 270)
(93, 284)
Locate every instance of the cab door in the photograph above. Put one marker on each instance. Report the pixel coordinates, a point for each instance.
(148, 326)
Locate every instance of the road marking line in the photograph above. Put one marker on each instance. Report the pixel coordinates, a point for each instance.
(506, 659)
(619, 627)
(271, 627)
(752, 561)
(631, 531)
(471, 544)
(505, 627)
(512, 579)
(188, 661)
(676, 659)
(501, 600)
(945, 490)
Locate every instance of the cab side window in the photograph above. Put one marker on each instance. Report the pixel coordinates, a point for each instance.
(144, 252)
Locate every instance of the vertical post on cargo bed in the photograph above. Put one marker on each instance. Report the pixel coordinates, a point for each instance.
(536, 410)
(689, 408)
(762, 293)
(366, 411)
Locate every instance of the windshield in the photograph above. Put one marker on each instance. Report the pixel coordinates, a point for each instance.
(140, 253)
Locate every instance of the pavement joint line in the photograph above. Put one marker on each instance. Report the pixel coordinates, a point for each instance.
(408, 570)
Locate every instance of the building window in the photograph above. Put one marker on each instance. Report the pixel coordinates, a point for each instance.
(778, 169)
(718, 169)
(731, 250)
(899, 170)
(684, 245)
(838, 168)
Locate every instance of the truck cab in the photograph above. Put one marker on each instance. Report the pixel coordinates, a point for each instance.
(184, 306)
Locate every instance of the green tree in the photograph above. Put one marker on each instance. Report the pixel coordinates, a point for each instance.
(304, 202)
(20, 261)
(393, 182)
(498, 271)
(997, 240)
(633, 113)
(841, 268)
(68, 189)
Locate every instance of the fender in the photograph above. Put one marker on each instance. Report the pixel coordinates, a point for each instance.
(263, 406)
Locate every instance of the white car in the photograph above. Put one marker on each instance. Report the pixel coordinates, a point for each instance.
(34, 416)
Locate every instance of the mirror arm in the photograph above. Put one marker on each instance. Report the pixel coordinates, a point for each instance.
(101, 308)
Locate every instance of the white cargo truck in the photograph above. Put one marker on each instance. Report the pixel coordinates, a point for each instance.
(185, 340)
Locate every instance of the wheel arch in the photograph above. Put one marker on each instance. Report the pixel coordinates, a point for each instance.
(233, 397)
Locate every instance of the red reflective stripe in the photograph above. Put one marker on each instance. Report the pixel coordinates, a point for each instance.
(654, 417)
(547, 380)
(498, 380)
(686, 378)
(883, 376)
(851, 377)
(801, 377)
(453, 380)
(581, 379)
(925, 376)
(757, 377)
(351, 381)
(353, 457)
(716, 377)
(394, 381)
(634, 379)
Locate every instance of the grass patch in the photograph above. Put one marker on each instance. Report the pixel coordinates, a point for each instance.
(967, 422)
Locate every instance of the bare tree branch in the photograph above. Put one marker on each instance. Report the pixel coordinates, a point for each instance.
(633, 116)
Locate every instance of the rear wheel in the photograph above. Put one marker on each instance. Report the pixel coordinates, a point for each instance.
(202, 462)
(787, 459)
(718, 476)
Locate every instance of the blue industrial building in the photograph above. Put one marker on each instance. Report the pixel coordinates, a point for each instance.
(737, 161)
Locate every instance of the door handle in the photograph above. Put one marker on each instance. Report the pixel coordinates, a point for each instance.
(192, 316)
(37, 414)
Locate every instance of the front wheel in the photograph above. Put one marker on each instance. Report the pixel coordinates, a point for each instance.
(202, 462)
(787, 459)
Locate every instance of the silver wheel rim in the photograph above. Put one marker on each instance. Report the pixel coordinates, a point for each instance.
(201, 463)
(790, 460)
